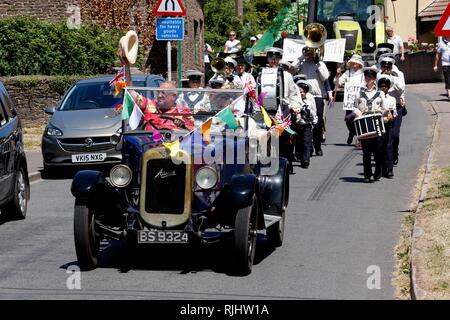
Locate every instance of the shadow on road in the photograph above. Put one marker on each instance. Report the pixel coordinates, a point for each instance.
(178, 257)
(352, 179)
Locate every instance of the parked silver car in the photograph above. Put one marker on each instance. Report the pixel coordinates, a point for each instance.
(81, 126)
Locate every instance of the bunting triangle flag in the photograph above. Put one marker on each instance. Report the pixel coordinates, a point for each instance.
(173, 147)
(157, 136)
(267, 119)
(206, 130)
(127, 105)
(227, 116)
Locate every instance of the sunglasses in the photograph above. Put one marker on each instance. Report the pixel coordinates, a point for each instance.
(232, 35)
(386, 64)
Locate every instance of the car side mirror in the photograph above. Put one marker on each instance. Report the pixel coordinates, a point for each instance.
(50, 110)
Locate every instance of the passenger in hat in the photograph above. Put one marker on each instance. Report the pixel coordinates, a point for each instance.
(305, 119)
(316, 72)
(195, 100)
(355, 76)
(387, 157)
(370, 101)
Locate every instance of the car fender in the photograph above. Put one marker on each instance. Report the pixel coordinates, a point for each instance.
(242, 188)
(91, 184)
(272, 188)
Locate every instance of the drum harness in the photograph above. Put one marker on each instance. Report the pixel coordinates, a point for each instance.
(369, 102)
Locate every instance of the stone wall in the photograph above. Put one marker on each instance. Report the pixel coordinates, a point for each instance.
(31, 95)
(42, 9)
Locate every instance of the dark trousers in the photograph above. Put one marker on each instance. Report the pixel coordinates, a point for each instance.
(319, 127)
(286, 147)
(303, 142)
(371, 147)
(396, 132)
(387, 156)
(350, 122)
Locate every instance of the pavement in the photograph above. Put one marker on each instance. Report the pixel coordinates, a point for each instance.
(434, 100)
(35, 165)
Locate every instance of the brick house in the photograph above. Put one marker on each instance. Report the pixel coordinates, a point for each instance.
(126, 15)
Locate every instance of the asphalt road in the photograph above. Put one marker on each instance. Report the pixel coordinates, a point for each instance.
(339, 232)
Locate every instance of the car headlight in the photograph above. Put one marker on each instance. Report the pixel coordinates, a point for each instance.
(120, 175)
(206, 177)
(53, 131)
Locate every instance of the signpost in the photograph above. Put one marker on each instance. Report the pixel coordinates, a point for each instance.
(169, 29)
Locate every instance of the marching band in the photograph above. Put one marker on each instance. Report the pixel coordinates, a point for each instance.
(297, 91)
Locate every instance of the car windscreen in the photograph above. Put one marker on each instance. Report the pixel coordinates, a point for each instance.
(95, 95)
(185, 109)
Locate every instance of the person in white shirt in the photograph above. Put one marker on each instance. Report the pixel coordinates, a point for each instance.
(232, 45)
(397, 91)
(195, 101)
(240, 77)
(396, 40)
(384, 84)
(443, 53)
(353, 75)
(316, 72)
(371, 100)
(305, 119)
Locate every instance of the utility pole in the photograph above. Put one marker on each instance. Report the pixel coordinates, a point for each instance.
(239, 9)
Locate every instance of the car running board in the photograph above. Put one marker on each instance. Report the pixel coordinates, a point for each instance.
(270, 220)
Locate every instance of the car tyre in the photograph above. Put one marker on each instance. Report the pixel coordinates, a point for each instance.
(245, 239)
(275, 233)
(87, 240)
(17, 207)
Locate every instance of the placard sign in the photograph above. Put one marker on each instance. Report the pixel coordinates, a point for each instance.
(334, 50)
(292, 49)
(351, 94)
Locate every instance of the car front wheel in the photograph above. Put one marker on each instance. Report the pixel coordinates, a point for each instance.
(87, 241)
(245, 239)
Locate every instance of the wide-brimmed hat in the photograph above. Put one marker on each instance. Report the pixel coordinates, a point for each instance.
(240, 60)
(356, 58)
(129, 44)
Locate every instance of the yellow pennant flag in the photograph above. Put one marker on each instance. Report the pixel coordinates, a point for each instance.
(206, 130)
(173, 147)
(267, 119)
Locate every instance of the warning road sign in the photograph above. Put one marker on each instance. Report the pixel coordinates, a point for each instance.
(443, 27)
(169, 8)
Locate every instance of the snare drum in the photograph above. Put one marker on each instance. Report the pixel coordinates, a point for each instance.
(369, 126)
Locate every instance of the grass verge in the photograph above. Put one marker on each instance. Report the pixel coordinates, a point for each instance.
(32, 137)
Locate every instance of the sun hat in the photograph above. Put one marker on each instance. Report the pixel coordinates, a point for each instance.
(129, 44)
(356, 58)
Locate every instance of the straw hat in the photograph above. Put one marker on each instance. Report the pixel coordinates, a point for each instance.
(129, 44)
(356, 58)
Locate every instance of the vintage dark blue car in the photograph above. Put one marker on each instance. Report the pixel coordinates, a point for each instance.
(184, 185)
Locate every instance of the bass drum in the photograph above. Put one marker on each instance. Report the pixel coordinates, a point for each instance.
(270, 81)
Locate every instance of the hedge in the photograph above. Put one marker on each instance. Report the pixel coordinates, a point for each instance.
(29, 46)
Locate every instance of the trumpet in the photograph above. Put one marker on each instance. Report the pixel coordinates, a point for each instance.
(314, 35)
(219, 66)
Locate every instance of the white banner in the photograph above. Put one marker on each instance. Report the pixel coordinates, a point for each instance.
(292, 49)
(351, 94)
(334, 50)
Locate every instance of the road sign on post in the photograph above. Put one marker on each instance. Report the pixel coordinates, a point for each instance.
(169, 8)
(169, 29)
(443, 27)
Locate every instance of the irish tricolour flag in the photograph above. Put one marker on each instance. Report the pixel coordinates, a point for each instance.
(131, 111)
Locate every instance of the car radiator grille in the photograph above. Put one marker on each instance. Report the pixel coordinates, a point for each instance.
(165, 187)
(79, 144)
(351, 37)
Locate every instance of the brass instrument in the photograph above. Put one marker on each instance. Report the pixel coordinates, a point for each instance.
(314, 35)
(219, 66)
